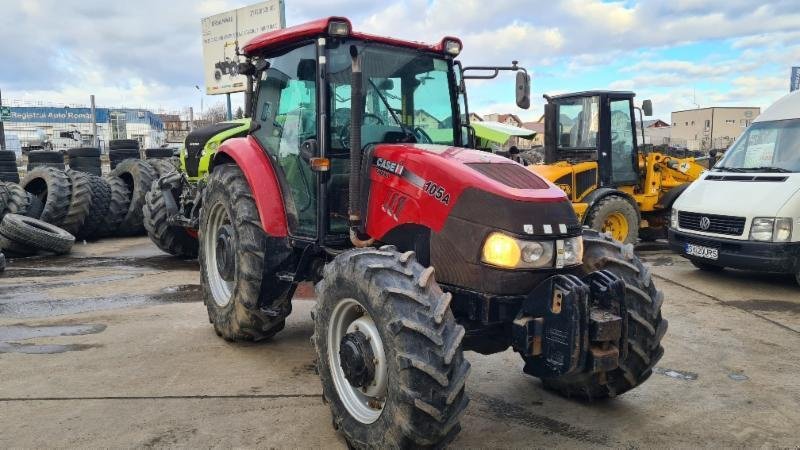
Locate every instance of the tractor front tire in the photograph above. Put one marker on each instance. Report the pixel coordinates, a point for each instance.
(231, 254)
(172, 239)
(389, 351)
(616, 216)
(646, 327)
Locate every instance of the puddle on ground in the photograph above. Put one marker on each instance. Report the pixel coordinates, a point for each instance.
(180, 293)
(13, 272)
(677, 374)
(43, 349)
(22, 332)
(766, 305)
(738, 377)
(660, 261)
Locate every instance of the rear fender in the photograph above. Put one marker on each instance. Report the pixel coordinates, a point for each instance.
(262, 178)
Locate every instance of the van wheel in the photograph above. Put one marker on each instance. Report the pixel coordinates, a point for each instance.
(704, 266)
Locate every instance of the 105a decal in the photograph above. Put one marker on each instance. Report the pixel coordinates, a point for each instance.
(437, 192)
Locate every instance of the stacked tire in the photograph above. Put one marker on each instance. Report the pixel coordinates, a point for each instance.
(8, 167)
(122, 150)
(85, 159)
(45, 158)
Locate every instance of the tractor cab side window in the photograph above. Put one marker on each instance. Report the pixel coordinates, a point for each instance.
(623, 161)
(578, 123)
(286, 112)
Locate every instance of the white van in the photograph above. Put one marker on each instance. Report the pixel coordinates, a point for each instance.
(745, 212)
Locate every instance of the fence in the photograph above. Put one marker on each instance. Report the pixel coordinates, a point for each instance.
(36, 125)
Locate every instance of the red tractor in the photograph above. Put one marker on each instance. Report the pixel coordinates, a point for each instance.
(353, 177)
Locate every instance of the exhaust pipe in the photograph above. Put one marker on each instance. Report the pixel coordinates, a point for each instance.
(357, 237)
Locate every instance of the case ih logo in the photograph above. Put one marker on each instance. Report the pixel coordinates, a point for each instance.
(389, 166)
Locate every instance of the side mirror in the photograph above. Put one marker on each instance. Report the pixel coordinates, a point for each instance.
(523, 85)
(647, 107)
(246, 68)
(551, 132)
(308, 149)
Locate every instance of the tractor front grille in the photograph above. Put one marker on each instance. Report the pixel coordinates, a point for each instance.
(512, 175)
(732, 226)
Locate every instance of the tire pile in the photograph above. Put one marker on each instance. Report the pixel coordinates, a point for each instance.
(52, 207)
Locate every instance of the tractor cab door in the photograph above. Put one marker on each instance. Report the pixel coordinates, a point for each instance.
(622, 146)
(285, 117)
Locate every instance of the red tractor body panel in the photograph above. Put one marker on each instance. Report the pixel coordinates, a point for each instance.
(420, 184)
(291, 35)
(263, 181)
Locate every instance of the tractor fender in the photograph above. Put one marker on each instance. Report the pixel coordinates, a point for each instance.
(669, 197)
(262, 178)
(601, 193)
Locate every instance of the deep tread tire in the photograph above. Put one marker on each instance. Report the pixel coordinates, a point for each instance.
(52, 186)
(45, 156)
(119, 201)
(169, 238)
(422, 341)
(614, 204)
(2, 262)
(101, 199)
(646, 327)
(80, 202)
(139, 176)
(36, 234)
(162, 166)
(240, 319)
(706, 267)
(14, 248)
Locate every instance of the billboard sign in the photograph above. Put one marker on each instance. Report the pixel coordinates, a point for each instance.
(795, 81)
(26, 114)
(5, 113)
(221, 34)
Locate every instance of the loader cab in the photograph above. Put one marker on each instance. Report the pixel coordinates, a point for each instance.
(594, 126)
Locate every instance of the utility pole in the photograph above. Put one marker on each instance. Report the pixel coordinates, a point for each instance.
(2, 130)
(230, 113)
(95, 138)
(191, 119)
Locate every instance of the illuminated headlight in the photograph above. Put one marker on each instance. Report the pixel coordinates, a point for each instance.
(770, 229)
(673, 218)
(504, 251)
(452, 47)
(338, 28)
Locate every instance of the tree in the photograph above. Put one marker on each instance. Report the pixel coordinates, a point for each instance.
(239, 113)
(215, 113)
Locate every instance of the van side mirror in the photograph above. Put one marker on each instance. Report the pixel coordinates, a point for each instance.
(647, 108)
(523, 90)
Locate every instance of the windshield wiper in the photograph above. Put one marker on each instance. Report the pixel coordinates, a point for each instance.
(406, 130)
(728, 169)
(768, 169)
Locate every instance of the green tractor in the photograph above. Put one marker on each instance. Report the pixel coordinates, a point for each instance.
(172, 207)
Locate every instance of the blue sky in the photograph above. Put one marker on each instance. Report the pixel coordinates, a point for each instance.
(679, 53)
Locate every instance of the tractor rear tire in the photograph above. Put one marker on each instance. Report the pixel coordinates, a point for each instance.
(139, 176)
(53, 188)
(119, 201)
(232, 247)
(646, 327)
(80, 202)
(392, 310)
(615, 215)
(171, 239)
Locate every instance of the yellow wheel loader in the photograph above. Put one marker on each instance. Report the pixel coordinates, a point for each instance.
(594, 153)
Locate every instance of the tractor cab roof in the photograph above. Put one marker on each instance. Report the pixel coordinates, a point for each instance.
(278, 39)
(599, 93)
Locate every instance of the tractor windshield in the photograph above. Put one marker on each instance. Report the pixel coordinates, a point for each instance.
(408, 96)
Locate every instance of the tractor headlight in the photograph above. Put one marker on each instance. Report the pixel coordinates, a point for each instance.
(771, 229)
(504, 251)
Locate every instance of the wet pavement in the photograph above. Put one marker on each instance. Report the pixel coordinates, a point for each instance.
(111, 346)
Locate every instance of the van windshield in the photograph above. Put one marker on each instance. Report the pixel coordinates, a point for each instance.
(766, 146)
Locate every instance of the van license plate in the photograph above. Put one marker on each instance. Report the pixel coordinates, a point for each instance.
(702, 252)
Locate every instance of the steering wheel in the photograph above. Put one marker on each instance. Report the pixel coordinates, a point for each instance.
(419, 131)
(344, 132)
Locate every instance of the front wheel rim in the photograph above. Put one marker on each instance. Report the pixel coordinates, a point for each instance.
(221, 289)
(364, 404)
(617, 225)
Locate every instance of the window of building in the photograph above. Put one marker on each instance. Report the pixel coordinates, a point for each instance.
(730, 122)
(687, 124)
(674, 124)
(708, 124)
(693, 123)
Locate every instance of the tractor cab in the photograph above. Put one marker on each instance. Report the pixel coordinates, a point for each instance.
(595, 126)
(321, 103)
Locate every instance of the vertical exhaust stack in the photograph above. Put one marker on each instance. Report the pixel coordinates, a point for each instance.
(357, 237)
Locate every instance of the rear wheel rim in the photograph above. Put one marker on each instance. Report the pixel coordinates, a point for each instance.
(221, 289)
(617, 225)
(364, 404)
